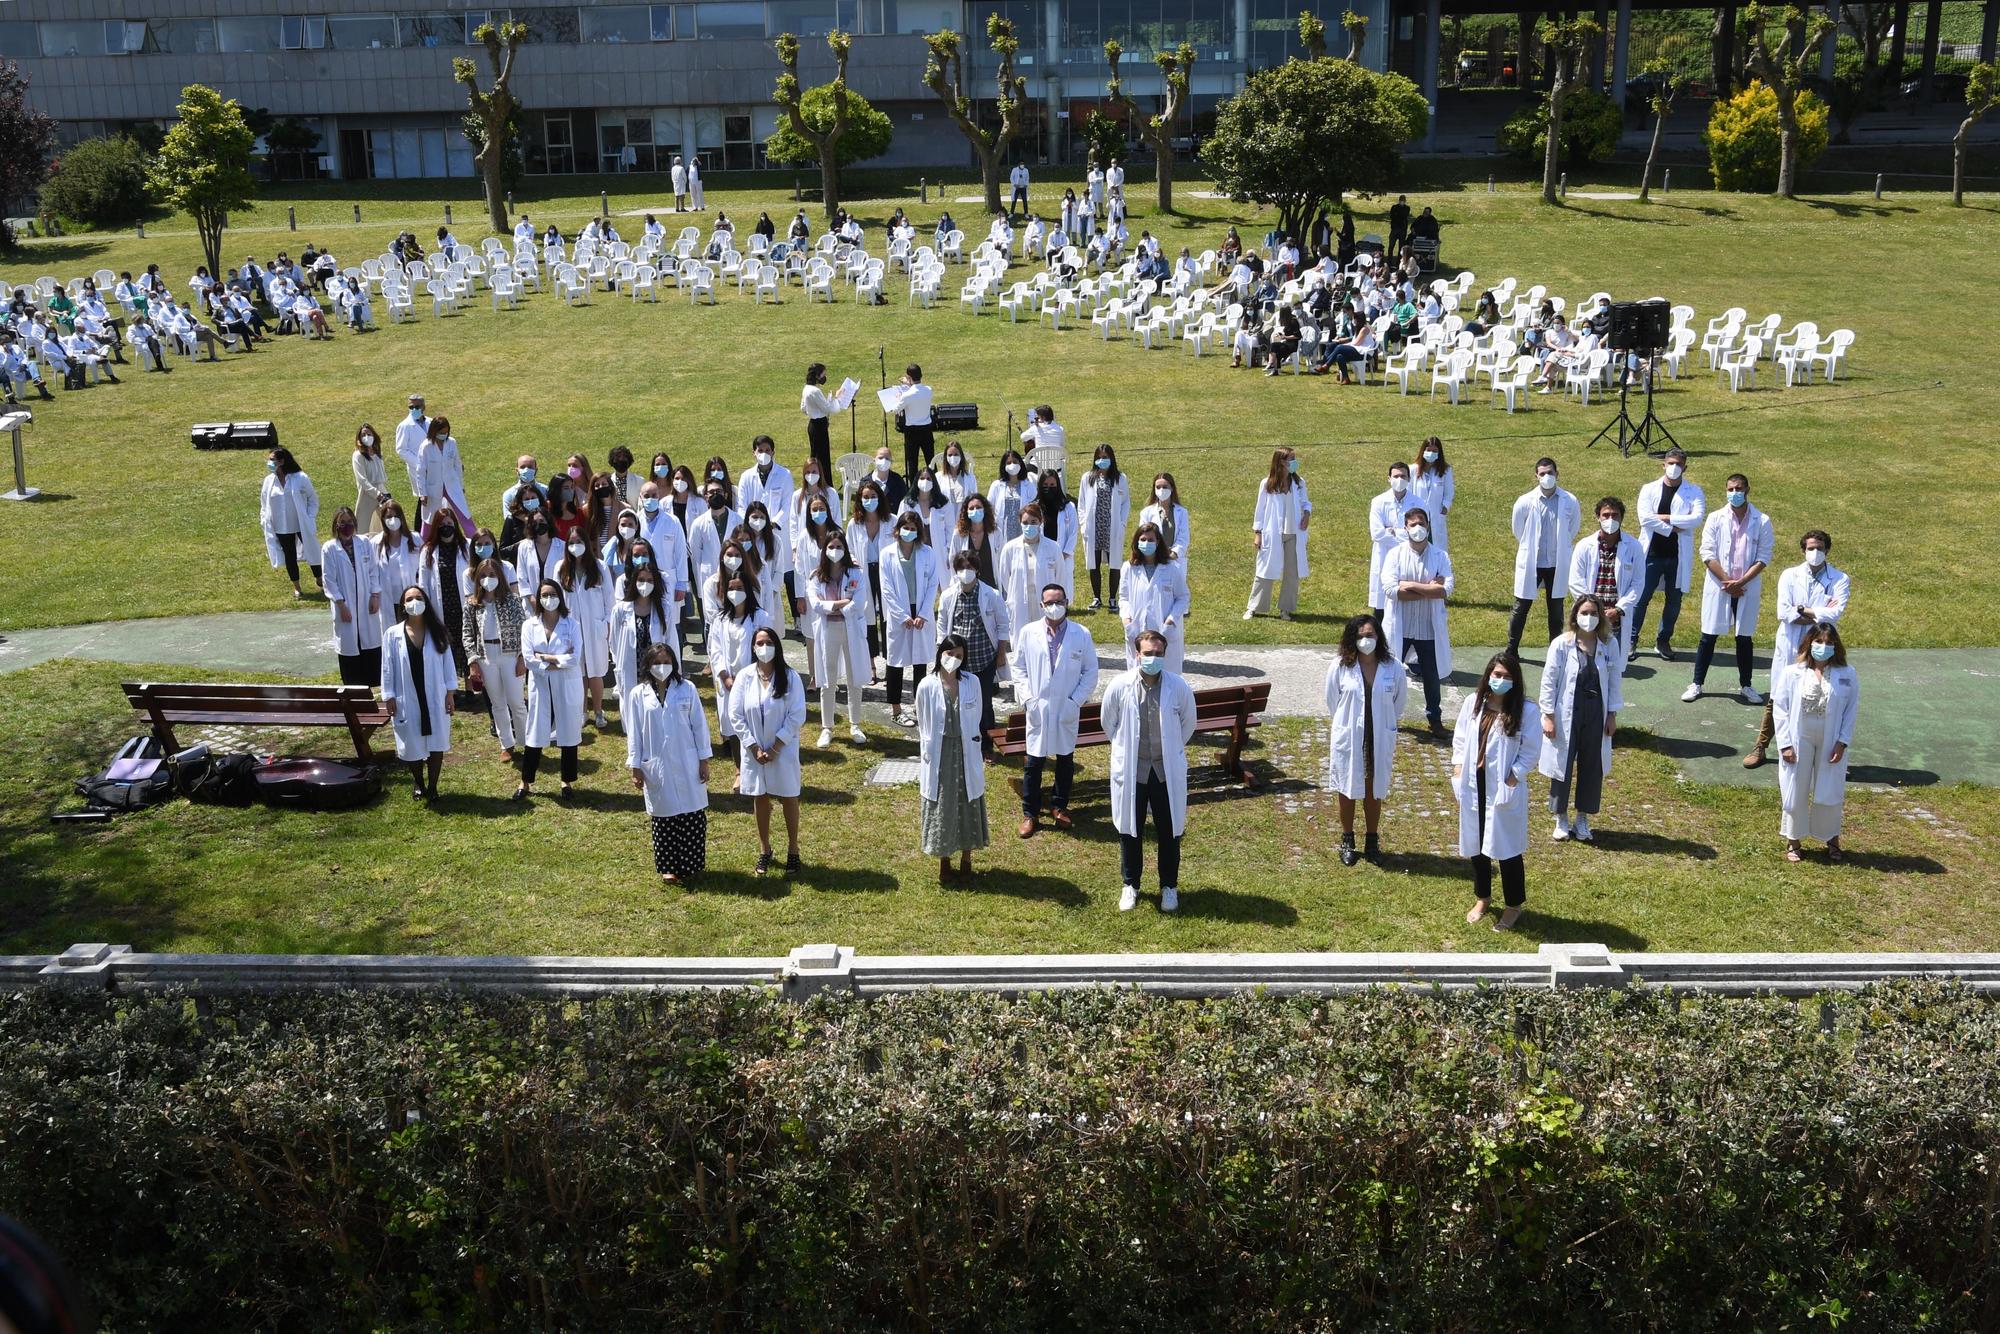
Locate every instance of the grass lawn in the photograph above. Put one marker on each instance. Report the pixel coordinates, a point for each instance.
(136, 523)
(1677, 866)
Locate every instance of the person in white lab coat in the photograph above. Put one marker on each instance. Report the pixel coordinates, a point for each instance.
(551, 645)
(696, 196)
(1055, 671)
(739, 618)
(973, 610)
(1494, 748)
(817, 405)
(667, 543)
(442, 564)
(398, 560)
(1106, 509)
(492, 641)
(957, 475)
(1582, 692)
(1816, 697)
(1059, 523)
(1278, 535)
(642, 615)
(952, 785)
(667, 750)
(769, 482)
(1010, 493)
(1416, 581)
(353, 585)
(417, 684)
(1811, 593)
(1028, 564)
(909, 610)
(940, 518)
(1385, 529)
(288, 512)
(1737, 543)
(1365, 689)
(1610, 565)
(1434, 486)
(371, 484)
(1546, 520)
(411, 433)
(1149, 716)
(1156, 598)
(767, 711)
(443, 475)
(1171, 517)
(837, 596)
(679, 172)
(1670, 512)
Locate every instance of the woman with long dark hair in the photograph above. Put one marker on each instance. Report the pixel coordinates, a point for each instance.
(288, 508)
(1365, 688)
(667, 749)
(1496, 744)
(952, 786)
(549, 642)
(767, 710)
(417, 686)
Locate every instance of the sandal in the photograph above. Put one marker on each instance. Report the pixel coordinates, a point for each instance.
(1792, 852)
(1834, 854)
(764, 863)
(1478, 911)
(1508, 918)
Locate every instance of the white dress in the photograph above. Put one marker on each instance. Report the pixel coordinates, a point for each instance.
(666, 740)
(555, 690)
(761, 718)
(399, 689)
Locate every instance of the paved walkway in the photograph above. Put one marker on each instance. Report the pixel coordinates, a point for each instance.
(1927, 715)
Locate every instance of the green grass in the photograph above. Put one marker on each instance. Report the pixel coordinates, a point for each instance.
(136, 523)
(1678, 866)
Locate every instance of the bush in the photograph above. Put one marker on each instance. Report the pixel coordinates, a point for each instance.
(1393, 1160)
(1591, 126)
(1742, 138)
(101, 182)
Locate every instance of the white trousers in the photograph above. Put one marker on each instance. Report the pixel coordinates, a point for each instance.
(508, 694)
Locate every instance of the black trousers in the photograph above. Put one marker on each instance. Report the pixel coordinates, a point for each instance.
(819, 443)
(1513, 872)
(917, 440)
(288, 543)
(896, 685)
(1704, 654)
(1545, 580)
(531, 763)
(986, 688)
(1151, 796)
(1031, 783)
(361, 669)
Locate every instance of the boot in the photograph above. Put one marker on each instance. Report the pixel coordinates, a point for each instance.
(1371, 851)
(1347, 854)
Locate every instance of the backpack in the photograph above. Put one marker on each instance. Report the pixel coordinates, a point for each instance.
(224, 781)
(136, 777)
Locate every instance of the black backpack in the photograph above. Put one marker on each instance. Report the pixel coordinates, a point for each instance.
(136, 777)
(225, 780)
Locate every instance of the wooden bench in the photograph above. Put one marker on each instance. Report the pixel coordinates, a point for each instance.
(1231, 709)
(168, 704)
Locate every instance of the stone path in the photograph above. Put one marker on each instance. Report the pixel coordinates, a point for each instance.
(1927, 715)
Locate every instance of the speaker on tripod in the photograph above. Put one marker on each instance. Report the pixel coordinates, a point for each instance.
(1639, 329)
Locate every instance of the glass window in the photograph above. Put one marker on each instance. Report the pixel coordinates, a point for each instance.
(84, 38)
(247, 34)
(475, 19)
(370, 32)
(1027, 19)
(303, 32)
(180, 36)
(556, 26)
(663, 23)
(617, 23)
(431, 29)
(730, 18)
(807, 18)
(19, 41)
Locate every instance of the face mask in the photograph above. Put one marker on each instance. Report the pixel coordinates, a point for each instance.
(836, 554)
(1822, 651)
(717, 475)
(447, 536)
(1674, 471)
(576, 548)
(1430, 456)
(1398, 485)
(1031, 530)
(907, 534)
(764, 460)
(344, 531)
(1500, 685)
(650, 504)
(966, 578)
(661, 670)
(1738, 499)
(812, 479)
(1055, 611)
(1013, 470)
(766, 652)
(645, 589)
(950, 662)
(661, 470)
(1419, 533)
(1291, 465)
(270, 465)
(975, 516)
(757, 525)
(1546, 481)
(484, 549)
(392, 523)
(1815, 558)
(531, 503)
(732, 562)
(416, 414)
(1147, 546)
(955, 461)
(1609, 526)
(414, 607)
(819, 516)
(550, 602)
(1367, 644)
(1103, 465)
(882, 467)
(489, 582)
(717, 503)
(1586, 622)
(1150, 663)
(870, 504)
(737, 597)
(525, 474)
(924, 485)
(680, 486)
(627, 531)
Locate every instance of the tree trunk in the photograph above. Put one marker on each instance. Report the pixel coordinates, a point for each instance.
(489, 178)
(989, 175)
(1552, 154)
(1163, 168)
(1957, 163)
(210, 227)
(1788, 145)
(1652, 156)
(829, 182)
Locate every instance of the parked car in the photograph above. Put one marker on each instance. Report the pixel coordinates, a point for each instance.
(1944, 88)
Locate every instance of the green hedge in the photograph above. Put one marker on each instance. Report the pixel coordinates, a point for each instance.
(1400, 1160)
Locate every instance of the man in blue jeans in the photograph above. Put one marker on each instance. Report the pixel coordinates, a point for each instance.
(1670, 509)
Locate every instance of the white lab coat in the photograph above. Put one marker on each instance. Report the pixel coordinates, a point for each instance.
(993, 612)
(1062, 530)
(1005, 498)
(1823, 592)
(1121, 517)
(670, 548)
(846, 639)
(776, 493)
(664, 627)
(904, 646)
(695, 195)
(958, 487)
(410, 436)
(370, 490)
(444, 480)
(291, 508)
(1716, 533)
(666, 739)
(1409, 620)
(1346, 703)
(1819, 781)
(590, 608)
(680, 176)
(459, 564)
(1629, 562)
(762, 719)
(1688, 507)
(1274, 515)
(705, 544)
(399, 692)
(1120, 715)
(1023, 574)
(528, 571)
(1385, 534)
(349, 584)
(555, 691)
(1505, 833)
(397, 567)
(1147, 597)
(931, 719)
(1053, 687)
(729, 654)
(1435, 493)
(1530, 516)
(1183, 539)
(1558, 697)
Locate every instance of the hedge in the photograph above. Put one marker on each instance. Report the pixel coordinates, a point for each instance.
(1396, 1160)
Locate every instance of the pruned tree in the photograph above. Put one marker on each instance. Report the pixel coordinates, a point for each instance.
(944, 75)
(1566, 40)
(1175, 67)
(203, 166)
(1784, 70)
(1856, 90)
(27, 143)
(495, 108)
(1312, 34)
(1671, 82)
(1356, 27)
(1982, 94)
(825, 142)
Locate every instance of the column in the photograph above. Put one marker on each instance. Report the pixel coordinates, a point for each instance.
(1989, 30)
(1428, 70)
(1899, 43)
(1052, 44)
(1933, 19)
(1241, 47)
(1725, 50)
(1595, 65)
(1826, 53)
(1621, 54)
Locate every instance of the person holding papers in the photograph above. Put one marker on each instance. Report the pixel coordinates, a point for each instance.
(818, 408)
(911, 397)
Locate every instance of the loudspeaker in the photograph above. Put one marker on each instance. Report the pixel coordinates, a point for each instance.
(955, 417)
(1640, 326)
(234, 435)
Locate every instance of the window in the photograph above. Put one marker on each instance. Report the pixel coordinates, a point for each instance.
(371, 32)
(739, 149)
(19, 41)
(475, 19)
(431, 30)
(859, 16)
(556, 26)
(303, 32)
(807, 18)
(730, 18)
(87, 38)
(247, 34)
(180, 36)
(663, 22)
(617, 23)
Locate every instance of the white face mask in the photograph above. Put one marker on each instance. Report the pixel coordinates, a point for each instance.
(1419, 533)
(414, 607)
(907, 534)
(680, 486)
(757, 525)
(661, 671)
(489, 583)
(1163, 494)
(550, 602)
(1398, 485)
(1674, 471)
(732, 562)
(882, 466)
(1586, 622)
(1609, 525)
(763, 460)
(392, 523)
(627, 531)
(950, 662)
(967, 578)
(812, 479)
(1546, 481)
(645, 589)
(766, 652)
(1815, 558)
(576, 548)
(1055, 611)
(1013, 470)
(368, 440)
(924, 485)
(1430, 456)
(737, 597)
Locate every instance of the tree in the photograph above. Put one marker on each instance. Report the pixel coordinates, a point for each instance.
(512, 167)
(1306, 133)
(1742, 137)
(1565, 40)
(1982, 94)
(495, 109)
(27, 139)
(1591, 127)
(1861, 79)
(1356, 27)
(101, 182)
(823, 140)
(869, 131)
(1312, 34)
(203, 166)
(944, 75)
(1668, 83)
(1784, 70)
(1175, 67)
(1103, 138)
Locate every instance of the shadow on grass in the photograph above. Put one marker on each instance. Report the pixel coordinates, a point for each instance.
(1542, 927)
(1894, 862)
(1890, 776)
(1673, 747)
(1848, 209)
(1609, 216)
(1034, 888)
(740, 883)
(1229, 905)
(1639, 840)
(843, 880)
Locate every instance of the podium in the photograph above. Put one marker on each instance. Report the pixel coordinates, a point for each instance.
(12, 423)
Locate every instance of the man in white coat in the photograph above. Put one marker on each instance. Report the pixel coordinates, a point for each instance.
(669, 542)
(1610, 565)
(1416, 579)
(680, 178)
(771, 482)
(1811, 593)
(1028, 564)
(1385, 529)
(1545, 524)
(1055, 671)
(411, 433)
(1736, 545)
(1148, 716)
(1670, 512)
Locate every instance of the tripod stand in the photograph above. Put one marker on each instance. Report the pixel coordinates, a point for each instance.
(1649, 435)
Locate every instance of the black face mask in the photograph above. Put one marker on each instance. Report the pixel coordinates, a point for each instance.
(717, 503)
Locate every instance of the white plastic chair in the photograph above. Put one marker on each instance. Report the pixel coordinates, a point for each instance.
(1408, 367)
(770, 280)
(645, 281)
(1740, 364)
(442, 297)
(1196, 336)
(503, 290)
(1674, 358)
(699, 282)
(1514, 382)
(1012, 300)
(1831, 353)
(1452, 374)
(1580, 378)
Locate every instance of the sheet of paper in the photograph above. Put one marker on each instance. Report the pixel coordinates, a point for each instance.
(843, 399)
(890, 398)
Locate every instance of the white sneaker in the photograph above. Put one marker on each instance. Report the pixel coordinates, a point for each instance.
(1749, 695)
(1170, 900)
(1691, 694)
(857, 736)
(1561, 832)
(1128, 899)
(1249, 615)
(825, 737)
(1582, 830)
